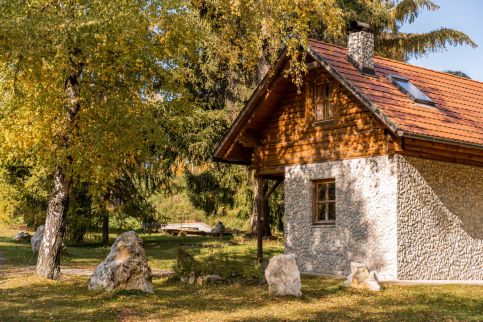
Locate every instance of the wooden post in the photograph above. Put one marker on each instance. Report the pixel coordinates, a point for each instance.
(260, 217)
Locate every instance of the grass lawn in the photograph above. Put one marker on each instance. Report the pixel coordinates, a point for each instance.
(26, 297)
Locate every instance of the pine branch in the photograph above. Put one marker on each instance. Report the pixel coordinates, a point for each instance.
(403, 46)
(407, 11)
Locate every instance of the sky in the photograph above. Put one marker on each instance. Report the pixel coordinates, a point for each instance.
(462, 15)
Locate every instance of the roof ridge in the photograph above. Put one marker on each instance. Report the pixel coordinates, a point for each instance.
(403, 63)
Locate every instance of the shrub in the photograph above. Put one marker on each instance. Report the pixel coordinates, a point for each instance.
(232, 267)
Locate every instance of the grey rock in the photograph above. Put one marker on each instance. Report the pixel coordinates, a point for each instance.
(125, 267)
(37, 239)
(283, 276)
(218, 229)
(22, 237)
(214, 278)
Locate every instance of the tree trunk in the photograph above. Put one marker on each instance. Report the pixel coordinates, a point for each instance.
(48, 261)
(105, 229)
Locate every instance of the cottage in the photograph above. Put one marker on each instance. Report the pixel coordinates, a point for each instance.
(381, 162)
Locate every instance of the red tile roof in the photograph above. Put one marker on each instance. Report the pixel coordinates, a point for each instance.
(457, 115)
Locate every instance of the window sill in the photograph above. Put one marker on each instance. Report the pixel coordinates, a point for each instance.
(324, 224)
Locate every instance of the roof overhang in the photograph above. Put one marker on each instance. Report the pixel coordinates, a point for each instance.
(230, 138)
(248, 109)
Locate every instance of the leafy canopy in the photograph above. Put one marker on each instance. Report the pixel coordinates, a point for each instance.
(127, 78)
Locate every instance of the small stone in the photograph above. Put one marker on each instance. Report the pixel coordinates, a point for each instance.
(192, 278)
(200, 280)
(283, 276)
(213, 278)
(360, 277)
(22, 237)
(184, 279)
(218, 229)
(125, 267)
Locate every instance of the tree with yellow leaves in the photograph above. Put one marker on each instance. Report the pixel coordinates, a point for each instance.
(87, 89)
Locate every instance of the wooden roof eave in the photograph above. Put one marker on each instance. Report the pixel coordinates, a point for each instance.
(245, 113)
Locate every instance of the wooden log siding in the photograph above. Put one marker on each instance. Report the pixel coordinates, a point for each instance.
(291, 136)
(280, 130)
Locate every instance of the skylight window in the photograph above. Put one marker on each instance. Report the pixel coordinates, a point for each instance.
(410, 89)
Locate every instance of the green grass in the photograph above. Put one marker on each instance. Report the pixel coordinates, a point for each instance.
(27, 297)
(160, 249)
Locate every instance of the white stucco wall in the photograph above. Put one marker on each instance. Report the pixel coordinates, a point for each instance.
(440, 220)
(366, 210)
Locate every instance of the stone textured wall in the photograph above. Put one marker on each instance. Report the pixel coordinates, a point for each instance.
(365, 229)
(440, 220)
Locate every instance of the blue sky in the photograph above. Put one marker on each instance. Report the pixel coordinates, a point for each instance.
(462, 15)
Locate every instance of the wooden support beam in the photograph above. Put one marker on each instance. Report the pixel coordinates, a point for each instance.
(259, 189)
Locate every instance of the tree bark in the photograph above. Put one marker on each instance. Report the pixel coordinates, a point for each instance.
(105, 229)
(48, 261)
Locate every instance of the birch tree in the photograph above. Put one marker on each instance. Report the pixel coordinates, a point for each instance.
(85, 90)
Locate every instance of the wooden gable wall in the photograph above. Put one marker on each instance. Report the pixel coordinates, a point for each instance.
(290, 135)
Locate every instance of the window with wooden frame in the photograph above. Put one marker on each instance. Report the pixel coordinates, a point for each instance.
(322, 103)
(323, 212)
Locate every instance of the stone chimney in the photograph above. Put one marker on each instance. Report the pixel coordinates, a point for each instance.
(361, 47)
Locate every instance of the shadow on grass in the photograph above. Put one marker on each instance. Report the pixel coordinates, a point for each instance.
(69, 300)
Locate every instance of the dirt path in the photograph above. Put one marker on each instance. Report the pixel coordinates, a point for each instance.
(12, 271)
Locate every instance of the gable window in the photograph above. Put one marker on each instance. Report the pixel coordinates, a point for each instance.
(322, 102)
(323, 202)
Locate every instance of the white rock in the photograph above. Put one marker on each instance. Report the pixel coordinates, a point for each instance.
(192, 278)
(37, 239)
(283, 276)
(360, 277)
(125, 268)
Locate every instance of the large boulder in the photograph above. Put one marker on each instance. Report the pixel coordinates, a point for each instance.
(37, 239)
(22, 237)
(283, 276)
(360, 277)
(125, 268)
